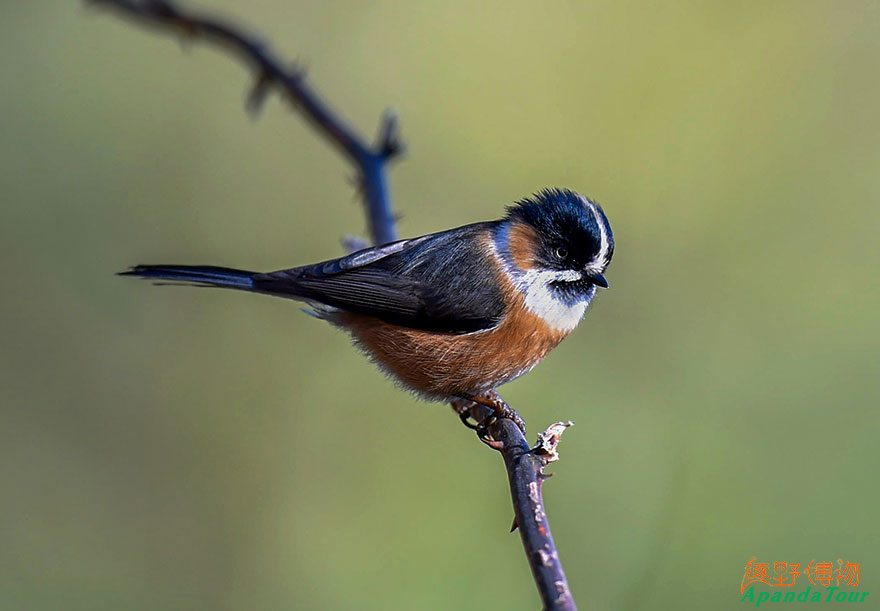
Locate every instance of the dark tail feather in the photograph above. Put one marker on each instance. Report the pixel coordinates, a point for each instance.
(201, 275)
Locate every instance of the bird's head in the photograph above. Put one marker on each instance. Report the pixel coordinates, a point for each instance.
(562, 240)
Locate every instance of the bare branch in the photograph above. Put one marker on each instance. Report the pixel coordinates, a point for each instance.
(270, 72)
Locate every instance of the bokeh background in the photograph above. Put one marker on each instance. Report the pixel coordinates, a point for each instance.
(189, 449)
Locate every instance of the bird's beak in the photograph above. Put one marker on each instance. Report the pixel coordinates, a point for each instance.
(598, 280)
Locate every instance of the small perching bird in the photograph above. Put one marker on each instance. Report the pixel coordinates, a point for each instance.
(455, 314)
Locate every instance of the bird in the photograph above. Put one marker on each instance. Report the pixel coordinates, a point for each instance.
(453, 315)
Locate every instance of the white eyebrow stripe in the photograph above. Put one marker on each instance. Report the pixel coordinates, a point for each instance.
(604, 244)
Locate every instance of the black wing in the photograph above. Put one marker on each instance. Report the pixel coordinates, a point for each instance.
(438, 282)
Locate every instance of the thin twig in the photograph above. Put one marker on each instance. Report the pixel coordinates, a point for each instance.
(270, 71)
(525, 465)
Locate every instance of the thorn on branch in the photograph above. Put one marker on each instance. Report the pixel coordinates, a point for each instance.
(256, 97)
(189, 32)
(388, 142)
(356, 182)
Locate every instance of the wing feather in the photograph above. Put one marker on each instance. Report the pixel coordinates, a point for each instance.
(438, 282)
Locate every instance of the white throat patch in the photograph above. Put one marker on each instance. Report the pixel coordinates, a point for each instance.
(539, 299)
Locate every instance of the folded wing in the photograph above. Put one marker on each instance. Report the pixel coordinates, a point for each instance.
(440, 282)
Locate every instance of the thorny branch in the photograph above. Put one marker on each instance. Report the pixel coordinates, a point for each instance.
(271, 72)
(525, 465)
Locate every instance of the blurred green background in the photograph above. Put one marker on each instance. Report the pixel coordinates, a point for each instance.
(187, 449)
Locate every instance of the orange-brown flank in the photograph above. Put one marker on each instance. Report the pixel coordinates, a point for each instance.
(442, 365)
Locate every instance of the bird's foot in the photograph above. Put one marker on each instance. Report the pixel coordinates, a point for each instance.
(500, 409)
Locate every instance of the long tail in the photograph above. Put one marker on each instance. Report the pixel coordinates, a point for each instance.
(200, 275)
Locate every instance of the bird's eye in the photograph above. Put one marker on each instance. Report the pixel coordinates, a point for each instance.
(561, 252)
